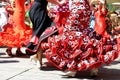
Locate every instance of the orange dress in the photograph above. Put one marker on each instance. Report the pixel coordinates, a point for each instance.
(17, 33)
(19, 16)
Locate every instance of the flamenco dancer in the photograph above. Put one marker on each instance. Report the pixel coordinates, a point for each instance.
(62, 12)
(79, 48)
(41, 21)
(100, 12)
(15, 28)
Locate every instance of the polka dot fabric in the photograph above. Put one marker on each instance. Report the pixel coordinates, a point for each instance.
(79, 48)
(62, 12)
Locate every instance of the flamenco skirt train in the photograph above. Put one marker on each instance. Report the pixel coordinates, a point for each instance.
(35, 42)
(81, 52)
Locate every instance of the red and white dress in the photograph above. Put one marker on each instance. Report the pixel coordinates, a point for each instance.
(78, 48)
(62, 12)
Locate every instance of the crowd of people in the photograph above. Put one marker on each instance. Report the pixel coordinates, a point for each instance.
(73, 36)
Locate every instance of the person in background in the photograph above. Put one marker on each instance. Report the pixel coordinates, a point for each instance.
(3, 17)
(16, 28)
(100, 12)
(28, 4)
(60, 14)
(92, 23)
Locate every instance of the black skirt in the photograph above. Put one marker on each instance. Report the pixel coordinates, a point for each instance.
(41, 21)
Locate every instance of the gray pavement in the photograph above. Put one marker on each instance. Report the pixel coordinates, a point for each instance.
(23, 69)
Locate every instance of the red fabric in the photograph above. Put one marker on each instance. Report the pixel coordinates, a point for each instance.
(7, 9)
(100, 24)
(81, 66)
(77, 48)
(47, 31)
(95, 65)
(61, 17)
(28, 6)
(4, 0)
(34, 40)
(62, 13)
(118, 44)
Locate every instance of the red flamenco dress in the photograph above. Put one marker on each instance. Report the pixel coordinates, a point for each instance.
(78, 48)
(15, 33)
(62, 12)
(100, 22)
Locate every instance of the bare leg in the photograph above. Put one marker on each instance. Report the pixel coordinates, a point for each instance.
(39, 55)
(34, 58)
(37, 58)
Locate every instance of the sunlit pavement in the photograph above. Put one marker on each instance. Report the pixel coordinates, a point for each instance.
(21, 68)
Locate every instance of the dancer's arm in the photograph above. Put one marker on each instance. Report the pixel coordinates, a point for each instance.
(93, 2)
(10, 9)
(56, 2)
(104, 8)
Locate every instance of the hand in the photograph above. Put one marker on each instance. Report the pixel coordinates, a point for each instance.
(92, 1)
(102, 1)
(62, 2)
(10, 9)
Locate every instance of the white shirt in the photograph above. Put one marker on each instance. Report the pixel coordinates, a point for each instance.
(3, 17)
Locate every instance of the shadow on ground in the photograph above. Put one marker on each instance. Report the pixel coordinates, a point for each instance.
(9, 61)
(48, 67)
(104, 73)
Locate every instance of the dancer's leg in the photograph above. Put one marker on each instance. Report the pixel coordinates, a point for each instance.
(39, 55)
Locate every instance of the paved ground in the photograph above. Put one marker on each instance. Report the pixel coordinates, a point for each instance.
(24, 69)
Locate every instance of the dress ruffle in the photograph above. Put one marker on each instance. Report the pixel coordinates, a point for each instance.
(62, 12)
(81, 53)
(80, 48)
(11, 39)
